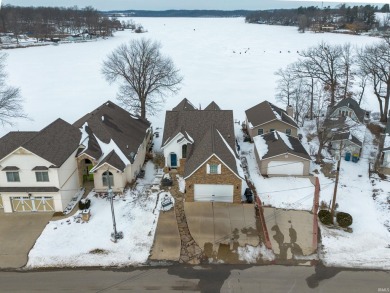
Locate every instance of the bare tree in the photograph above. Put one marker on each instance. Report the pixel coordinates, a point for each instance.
(323, 62)
(374, 63)
(286, 84)
(10, 98)
(146, 75)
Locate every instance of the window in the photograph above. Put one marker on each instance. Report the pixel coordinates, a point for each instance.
(288, 131)
(213, 169)
(184, 151)
(260, 131)
(104, 178)
(272, 129)
(13, 176)
(42, 176)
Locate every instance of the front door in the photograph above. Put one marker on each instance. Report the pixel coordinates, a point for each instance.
(173, 160)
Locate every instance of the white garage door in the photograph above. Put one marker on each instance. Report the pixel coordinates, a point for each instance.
(212, 192)
(285, 168)
(34, 204)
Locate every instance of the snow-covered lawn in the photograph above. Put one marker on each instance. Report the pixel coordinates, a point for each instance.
(368, 245)
(73, 243)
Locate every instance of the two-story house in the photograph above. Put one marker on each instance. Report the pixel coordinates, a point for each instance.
(38, 170)
(266, 117)
(201, 145)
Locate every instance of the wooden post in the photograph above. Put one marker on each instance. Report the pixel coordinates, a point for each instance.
(336, 184)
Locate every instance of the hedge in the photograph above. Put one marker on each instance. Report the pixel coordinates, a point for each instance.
(325, 217)
(344, 219)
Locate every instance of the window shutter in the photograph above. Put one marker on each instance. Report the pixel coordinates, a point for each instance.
(208, 168)
(219, 169)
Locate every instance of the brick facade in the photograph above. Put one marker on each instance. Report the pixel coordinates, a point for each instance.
(201, 177)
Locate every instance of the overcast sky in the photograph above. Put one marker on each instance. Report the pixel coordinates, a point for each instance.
(183, 4)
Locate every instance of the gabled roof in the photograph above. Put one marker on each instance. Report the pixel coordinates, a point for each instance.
(207, 130)
(109, 124)
(14, 139)
(184, 105)
(112, 159)
(278, 143)
(266, 112)
(353, 105)
(347, 136)
(54, 143)
(212, 106)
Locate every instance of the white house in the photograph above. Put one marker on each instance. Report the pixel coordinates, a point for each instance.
(38, 170)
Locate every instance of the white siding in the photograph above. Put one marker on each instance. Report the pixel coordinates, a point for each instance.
(68, 179)
(26, 161)
(174, 147)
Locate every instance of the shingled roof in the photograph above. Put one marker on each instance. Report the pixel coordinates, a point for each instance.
(279, 143)
(353, 105)
(207, 130)
(213, 106)
(54, 143)
(14, 139)
(184, 105)
(109, 124)
(266, 112)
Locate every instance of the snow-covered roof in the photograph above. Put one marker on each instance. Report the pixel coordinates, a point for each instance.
(276, 143)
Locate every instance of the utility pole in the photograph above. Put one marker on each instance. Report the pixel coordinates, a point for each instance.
(336, 183)
(115, 235)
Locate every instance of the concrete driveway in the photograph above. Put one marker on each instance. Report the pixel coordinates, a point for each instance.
(290, 232)
(219, 228)
(167, 241)
(18, 233)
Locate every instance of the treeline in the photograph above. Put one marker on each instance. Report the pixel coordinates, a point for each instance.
(49, 22)
(355, 18)
(179, 13)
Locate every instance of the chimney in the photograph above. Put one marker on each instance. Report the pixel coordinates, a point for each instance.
(290, 111)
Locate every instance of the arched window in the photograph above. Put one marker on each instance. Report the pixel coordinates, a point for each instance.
(184, 151)
(107, 175)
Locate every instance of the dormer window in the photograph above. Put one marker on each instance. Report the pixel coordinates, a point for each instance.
(13, 176)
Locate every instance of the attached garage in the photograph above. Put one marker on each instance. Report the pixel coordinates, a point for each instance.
(33, 204)
(213, 192)
(285, 168)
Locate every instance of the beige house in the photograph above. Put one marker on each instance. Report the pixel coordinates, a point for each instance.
(201, 145)
(278, 154)
(266, 117)
(112, 147)
(38, 170)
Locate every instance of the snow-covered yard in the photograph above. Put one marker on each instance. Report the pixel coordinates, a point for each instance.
(70, 242)
(368, 245)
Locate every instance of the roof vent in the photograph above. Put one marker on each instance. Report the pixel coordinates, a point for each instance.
(103, 118)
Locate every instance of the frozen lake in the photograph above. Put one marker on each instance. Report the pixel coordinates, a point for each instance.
(221, 59)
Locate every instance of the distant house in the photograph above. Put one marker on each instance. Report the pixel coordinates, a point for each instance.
(112, 147)
(38, 170)
(278, 154)
(266, 117)
(349, 108)
(201, 145)
(345, 133)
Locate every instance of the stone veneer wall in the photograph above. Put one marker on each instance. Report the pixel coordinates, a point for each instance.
(201, 177)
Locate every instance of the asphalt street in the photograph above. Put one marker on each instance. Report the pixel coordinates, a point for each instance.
(183, 278)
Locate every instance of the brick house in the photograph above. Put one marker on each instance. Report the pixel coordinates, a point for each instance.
(201, 145)
(266, 117)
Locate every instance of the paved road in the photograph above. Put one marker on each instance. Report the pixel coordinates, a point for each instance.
(181, 278)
